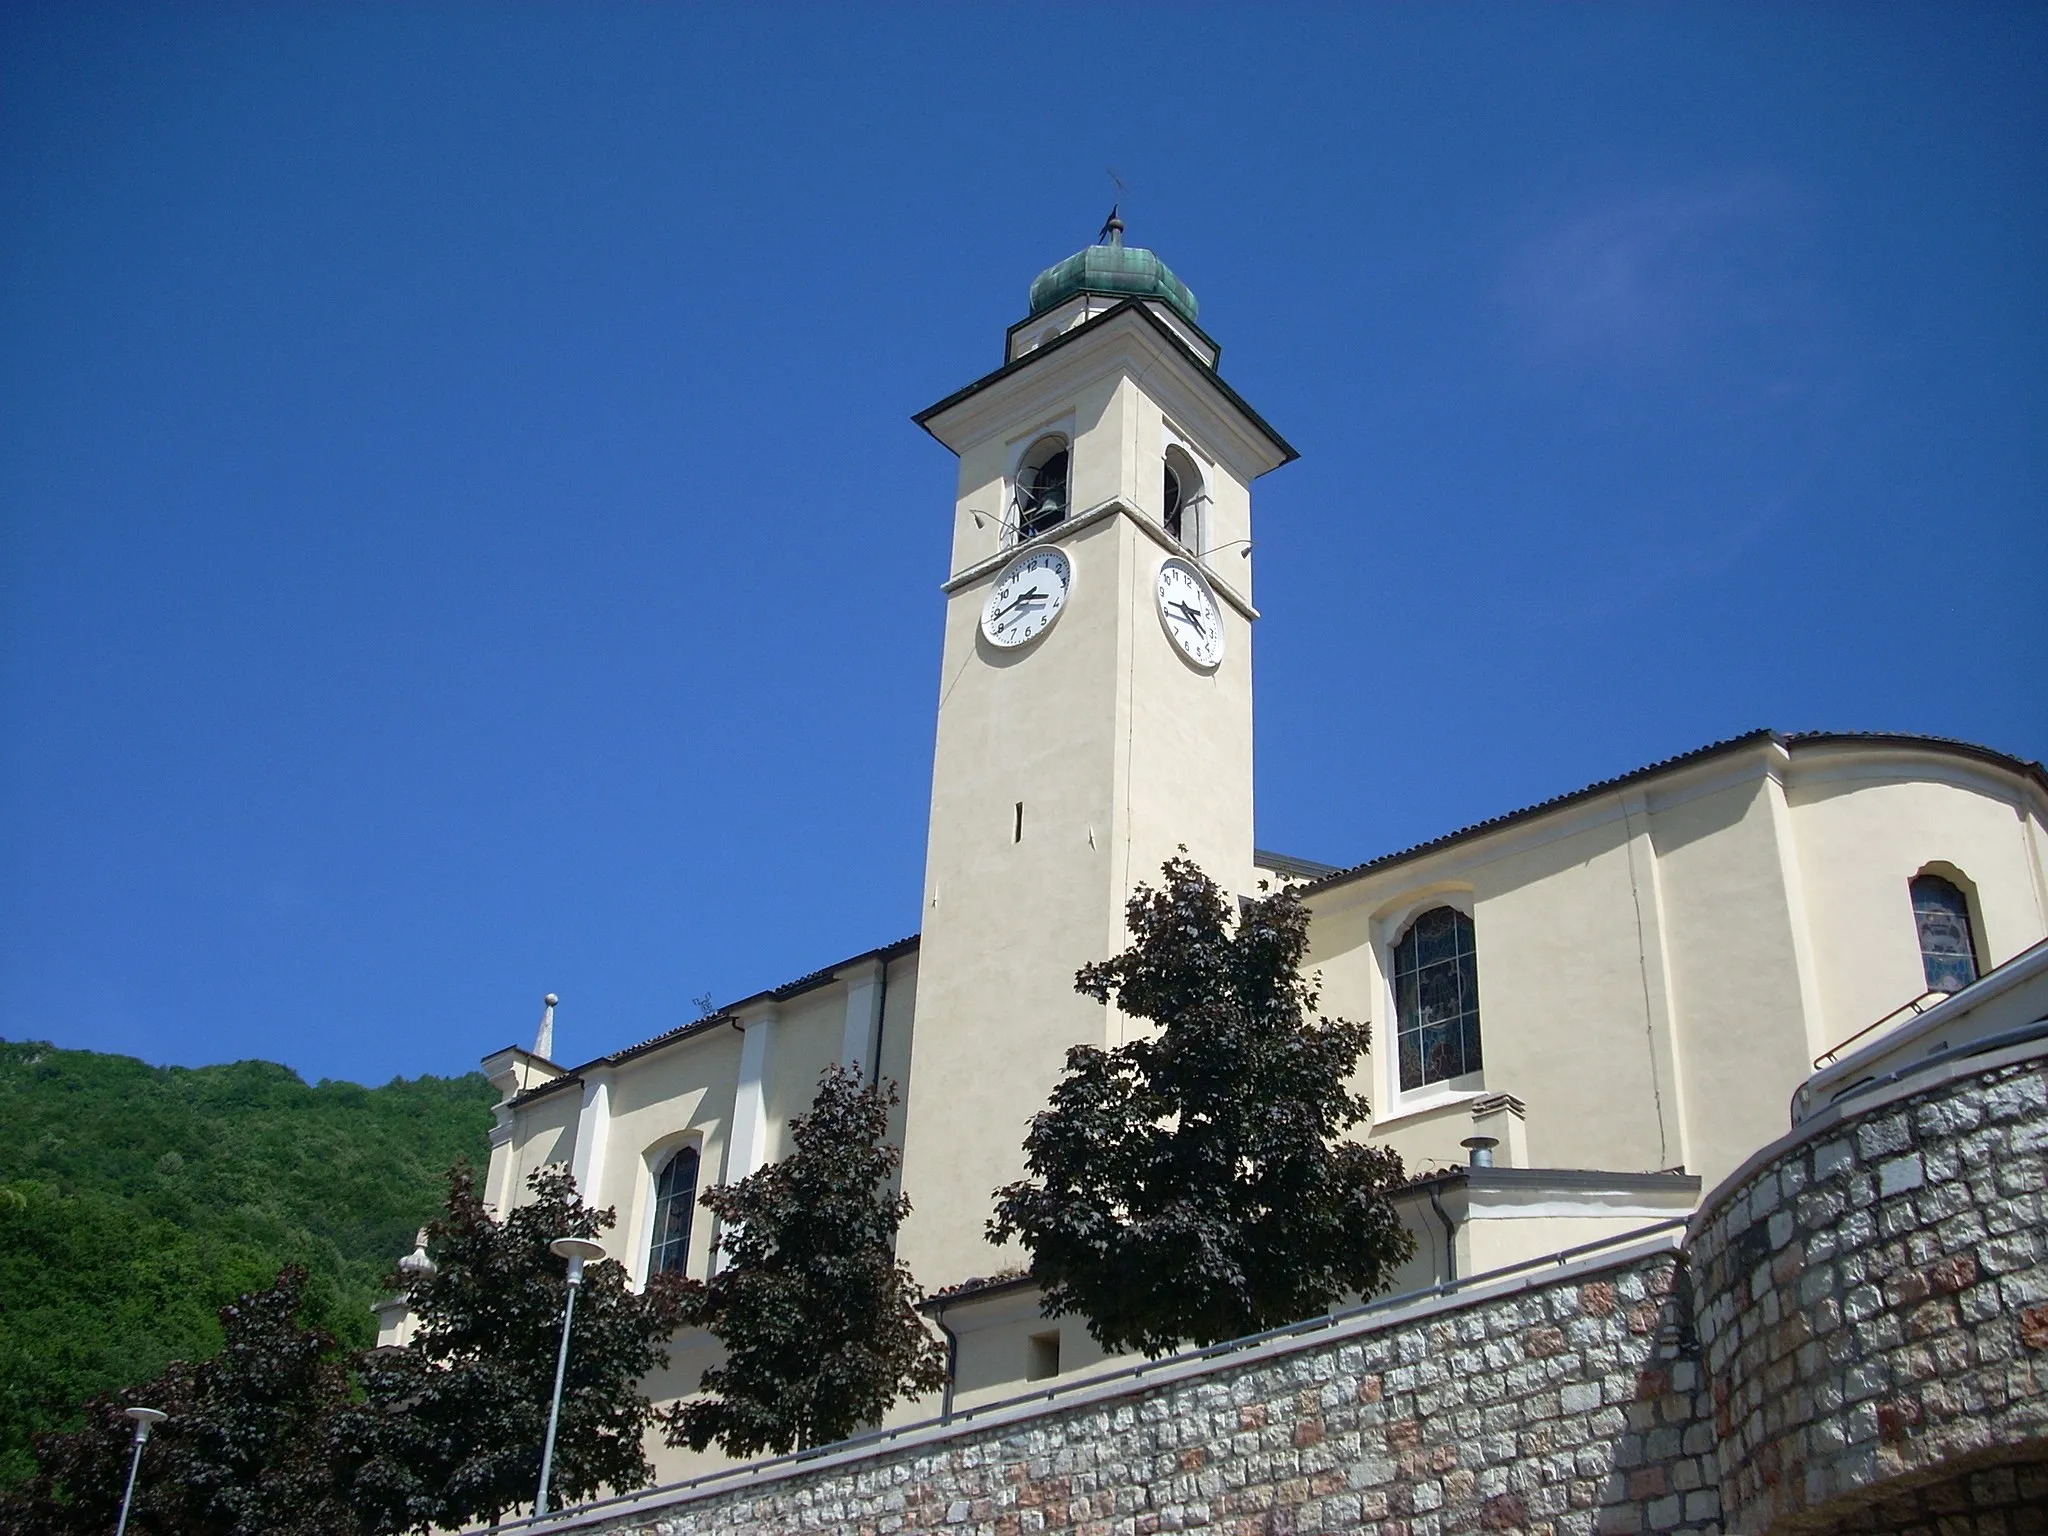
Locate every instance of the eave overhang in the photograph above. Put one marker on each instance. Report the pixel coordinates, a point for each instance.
(2031, 775)
(1129, 312)
(728, 1017)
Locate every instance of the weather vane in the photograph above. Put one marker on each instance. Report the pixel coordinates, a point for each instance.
(1113, 225)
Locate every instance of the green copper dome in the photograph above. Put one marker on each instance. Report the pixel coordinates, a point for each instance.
(1126, 270)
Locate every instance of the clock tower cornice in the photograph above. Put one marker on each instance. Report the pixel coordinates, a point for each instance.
(1116, 506)
(1128, 336)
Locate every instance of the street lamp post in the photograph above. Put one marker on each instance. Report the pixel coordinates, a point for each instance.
(578, 1251)
(144, 1418)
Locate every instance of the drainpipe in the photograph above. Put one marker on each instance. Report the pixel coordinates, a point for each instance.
(1450, 1235)
(952, 1364)
(881, 1021)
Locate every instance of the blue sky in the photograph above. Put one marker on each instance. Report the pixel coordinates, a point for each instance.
(417, 425)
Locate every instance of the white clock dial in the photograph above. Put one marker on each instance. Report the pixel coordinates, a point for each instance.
(1190, 613)
(1027, 597)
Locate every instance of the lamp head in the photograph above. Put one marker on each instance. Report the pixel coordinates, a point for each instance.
(578, 1251)
(145, 1419)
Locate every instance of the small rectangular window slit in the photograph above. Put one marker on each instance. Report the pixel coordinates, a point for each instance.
(1017, 831)
(1044, 1358)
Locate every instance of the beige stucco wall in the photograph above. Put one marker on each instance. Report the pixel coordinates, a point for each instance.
(1659, 966)
(995, 1350)
(1564, 1023)
(543, 1132)
(1007, 921)
(1865, 826)
(899, 1034)
(808, 1034)
(683, 1092)
(660, 1103)
(1739, 968)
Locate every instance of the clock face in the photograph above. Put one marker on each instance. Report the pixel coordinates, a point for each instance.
(1027, 597)
(1190, 613)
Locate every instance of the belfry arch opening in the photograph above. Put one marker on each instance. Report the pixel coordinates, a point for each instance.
(1182, 498)
(1043, 481)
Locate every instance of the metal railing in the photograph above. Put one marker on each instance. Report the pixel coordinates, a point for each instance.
(1804, 1107)
(1899, 1015)
(1134, 1374)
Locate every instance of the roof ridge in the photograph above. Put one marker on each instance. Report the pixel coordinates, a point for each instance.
(723, 1014)
(2023, 767)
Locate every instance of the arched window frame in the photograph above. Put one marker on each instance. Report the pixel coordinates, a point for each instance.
(1193, 511)
(1025, 498)
(1390, 925)
(1938, 879)
(656, 1162)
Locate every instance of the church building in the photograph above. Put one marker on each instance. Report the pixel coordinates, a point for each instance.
(1585, 1012)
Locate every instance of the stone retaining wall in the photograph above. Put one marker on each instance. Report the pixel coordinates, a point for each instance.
(1870, 1297)
(1551, 1408)
(1874, 1301)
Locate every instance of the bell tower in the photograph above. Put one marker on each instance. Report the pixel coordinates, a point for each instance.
(1095, 704)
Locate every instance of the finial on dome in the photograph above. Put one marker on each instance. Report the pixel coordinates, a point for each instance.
(1112, 228)
(544, 1041)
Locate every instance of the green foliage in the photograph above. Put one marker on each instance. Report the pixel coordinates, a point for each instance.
(450, 1428)
(1194, 1186)
(243, 1452)
(135, 1201)
(818, 1319)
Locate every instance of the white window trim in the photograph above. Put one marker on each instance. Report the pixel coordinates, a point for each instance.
(653, 1159)
(1392, 1104)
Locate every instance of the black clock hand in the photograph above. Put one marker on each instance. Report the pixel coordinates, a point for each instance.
(1192, 617)
(1033, 596)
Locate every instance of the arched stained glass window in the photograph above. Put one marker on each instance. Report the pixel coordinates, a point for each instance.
(675, 1197)
(1948, 950)
(1436, 998)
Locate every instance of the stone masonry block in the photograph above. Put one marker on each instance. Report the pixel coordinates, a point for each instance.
(1884, 1135)
(1900, 1174)
(2015, 1097)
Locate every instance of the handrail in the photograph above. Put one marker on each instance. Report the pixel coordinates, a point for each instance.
(1940, 1056)
(1914, 1009)
(963, 1416)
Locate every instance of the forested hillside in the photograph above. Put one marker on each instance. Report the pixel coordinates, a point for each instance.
(136, 1200)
